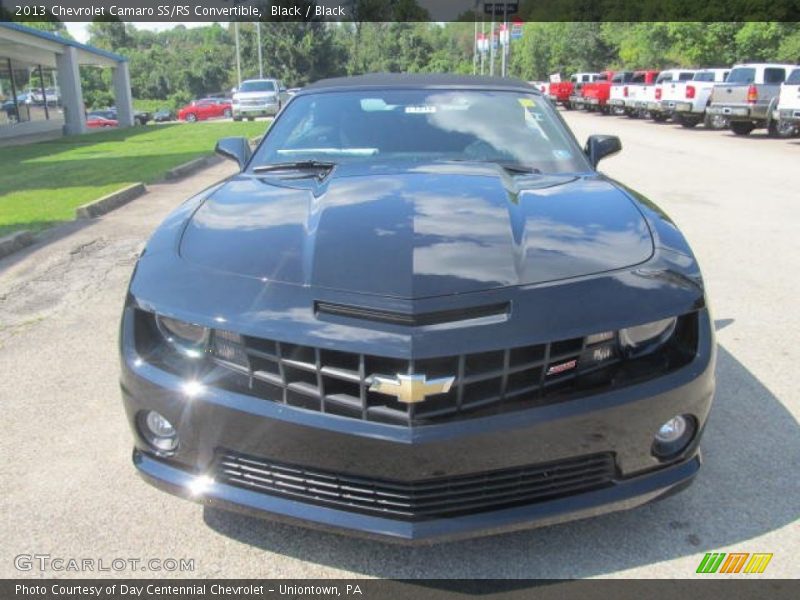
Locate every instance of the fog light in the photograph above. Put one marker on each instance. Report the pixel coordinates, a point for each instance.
(671, 430)
(158, 431)
(673, 436)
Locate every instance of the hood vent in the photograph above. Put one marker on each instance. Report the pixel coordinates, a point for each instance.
(413, 320)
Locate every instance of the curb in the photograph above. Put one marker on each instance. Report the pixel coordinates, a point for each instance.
(15, 241)
(192, 166)
(110, 202)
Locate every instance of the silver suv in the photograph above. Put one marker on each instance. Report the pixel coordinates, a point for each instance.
(258, 98)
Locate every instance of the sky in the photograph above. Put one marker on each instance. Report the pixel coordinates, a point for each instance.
(80, 31)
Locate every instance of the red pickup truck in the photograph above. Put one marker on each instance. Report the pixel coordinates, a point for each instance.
(561, 92)
(596, 94)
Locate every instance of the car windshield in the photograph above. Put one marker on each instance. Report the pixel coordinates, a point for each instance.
(257, 86)
(511, 128)
(741, 75)
(794, 77)
(704, 76)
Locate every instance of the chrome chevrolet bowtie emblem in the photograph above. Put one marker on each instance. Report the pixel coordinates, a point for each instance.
(410, 388)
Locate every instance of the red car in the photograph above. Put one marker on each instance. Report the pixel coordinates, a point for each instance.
(207, 108)
(98, 119)
(596, 94)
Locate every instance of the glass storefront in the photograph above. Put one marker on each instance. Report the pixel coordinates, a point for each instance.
(28, 93)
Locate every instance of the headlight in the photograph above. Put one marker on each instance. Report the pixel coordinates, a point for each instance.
(188, 338)
(644, 338)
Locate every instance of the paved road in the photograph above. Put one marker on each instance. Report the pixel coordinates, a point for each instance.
(68, 488)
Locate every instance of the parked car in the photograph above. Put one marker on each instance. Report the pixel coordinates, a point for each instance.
(35, 96)
(103, 113)
(619, 91)
(140, 117)
(594, 95)
(418, 312)
(696, 97)
(100, 119)
(750, 95)
(258, 98)
(568, 93)
(662, 107)
(635, 92)
(163, 115)
(789, 105)
(292, 91)
(206, 108)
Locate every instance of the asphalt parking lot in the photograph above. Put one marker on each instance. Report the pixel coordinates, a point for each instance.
(69, 490)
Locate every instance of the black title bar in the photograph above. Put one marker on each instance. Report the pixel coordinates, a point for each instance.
(397, 10)
(375, 589)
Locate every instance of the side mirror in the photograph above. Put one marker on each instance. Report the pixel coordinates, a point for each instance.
(234, 148)
(601, 146)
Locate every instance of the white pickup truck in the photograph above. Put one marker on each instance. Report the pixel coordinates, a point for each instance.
(648, 96)
(789, 105)
(666, 93)
(693, 97)
(619, 91)
(749, 96)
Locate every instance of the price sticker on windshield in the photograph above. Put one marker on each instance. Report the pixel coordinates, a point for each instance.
(421, 110)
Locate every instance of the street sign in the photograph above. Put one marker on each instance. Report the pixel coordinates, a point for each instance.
(500, 8)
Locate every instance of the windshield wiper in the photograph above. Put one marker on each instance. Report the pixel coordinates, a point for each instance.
(517, 167)
(298, 165)
(510, 167)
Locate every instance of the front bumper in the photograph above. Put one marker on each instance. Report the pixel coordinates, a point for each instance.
(260, 110)
(789, 114)
(621, 422)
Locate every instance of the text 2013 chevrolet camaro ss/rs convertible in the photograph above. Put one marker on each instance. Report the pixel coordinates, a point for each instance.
(418, 312)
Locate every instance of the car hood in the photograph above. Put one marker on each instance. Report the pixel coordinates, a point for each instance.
(417, 232)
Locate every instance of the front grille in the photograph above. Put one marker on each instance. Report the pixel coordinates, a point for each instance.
(423, 499)
(256, 101)
(338, 382)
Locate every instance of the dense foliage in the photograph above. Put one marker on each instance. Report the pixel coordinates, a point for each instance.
(174, 66)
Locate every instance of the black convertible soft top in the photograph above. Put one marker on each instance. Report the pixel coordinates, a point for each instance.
(418, 80)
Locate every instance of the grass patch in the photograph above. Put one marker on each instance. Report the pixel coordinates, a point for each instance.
(42, 184)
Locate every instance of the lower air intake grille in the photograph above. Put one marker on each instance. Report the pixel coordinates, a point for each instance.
(418, 500)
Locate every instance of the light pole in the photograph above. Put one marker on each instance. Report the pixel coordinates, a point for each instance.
(260, 62)
(491, 45)
(238, 58)
(504, 38)
(475, 48)
(483, 41)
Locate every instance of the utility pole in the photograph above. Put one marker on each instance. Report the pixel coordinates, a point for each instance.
(475, 48)
(483, 37)
(260, 62)
(505, 38)
(491, 45)
(238, 58)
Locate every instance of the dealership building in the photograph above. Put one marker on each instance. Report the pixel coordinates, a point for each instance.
(40, 84)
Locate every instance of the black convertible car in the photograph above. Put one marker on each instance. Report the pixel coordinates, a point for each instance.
(418, 313)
